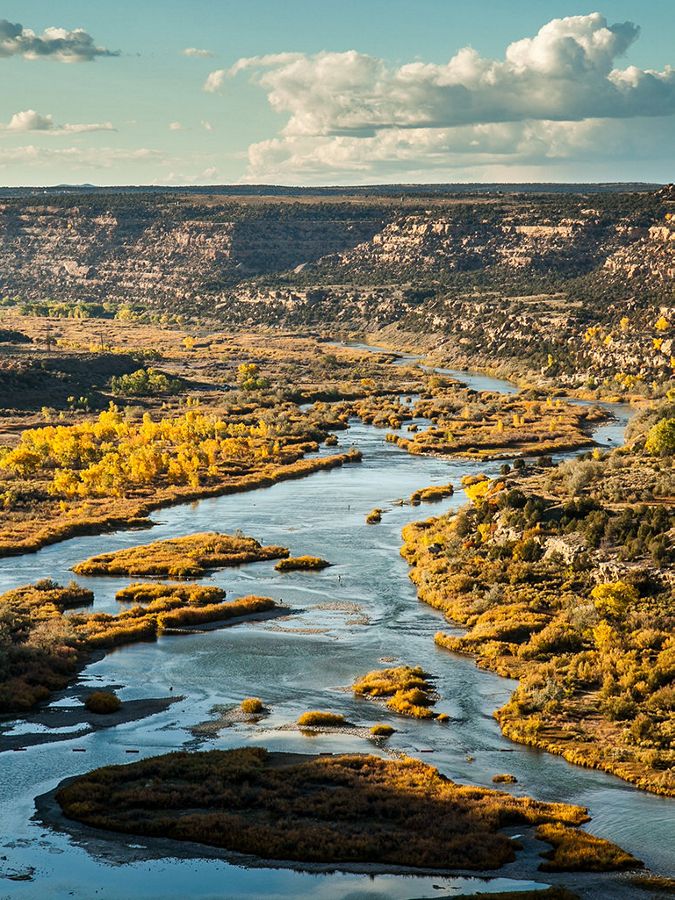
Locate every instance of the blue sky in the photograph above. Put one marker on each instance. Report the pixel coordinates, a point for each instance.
(355, 92)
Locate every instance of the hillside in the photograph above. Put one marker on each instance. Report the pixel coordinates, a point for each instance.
(566, 285)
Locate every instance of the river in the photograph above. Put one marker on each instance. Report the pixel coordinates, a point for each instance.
(347, 618)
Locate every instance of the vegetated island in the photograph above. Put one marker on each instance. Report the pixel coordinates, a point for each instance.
(563, 578)
(183, 557)
(43, 647)
(308, 563)
(407, 690)
(334, 809)
(488, 425)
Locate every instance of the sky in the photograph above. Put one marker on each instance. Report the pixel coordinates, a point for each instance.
(311, 92)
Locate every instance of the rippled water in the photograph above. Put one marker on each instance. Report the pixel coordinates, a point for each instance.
(345, 620)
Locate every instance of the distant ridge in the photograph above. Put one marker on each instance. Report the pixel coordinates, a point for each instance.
(371, 190)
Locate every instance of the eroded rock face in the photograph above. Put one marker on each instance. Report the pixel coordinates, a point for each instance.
(486, 278)
(159, 249)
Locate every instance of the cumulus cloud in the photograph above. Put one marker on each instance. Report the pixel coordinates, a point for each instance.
(214, 81)
(347, 111)
(57, 44)
(30, 120)
(198, 52)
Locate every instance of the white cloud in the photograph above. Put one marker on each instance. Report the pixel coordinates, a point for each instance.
(198, 52)
(206, 125)
(214, 81)
(54, 43)
(351, 112)
(175, 126)
(30, 120)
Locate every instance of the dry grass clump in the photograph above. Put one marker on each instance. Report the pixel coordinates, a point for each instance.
(407, 688)
(352, 808)
(382, 730)
(103, 702)
(504, 778)
(214, 612)
(320, 719)
(431, 494)
(312, 563)
(579, 851)
(184, 557)
(374, 516)
(192, 594)
(252, 705)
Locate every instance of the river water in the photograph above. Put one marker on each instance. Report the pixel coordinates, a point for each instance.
(346, 619)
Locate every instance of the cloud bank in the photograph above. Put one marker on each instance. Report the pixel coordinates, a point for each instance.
(57, 44)
(550, 97)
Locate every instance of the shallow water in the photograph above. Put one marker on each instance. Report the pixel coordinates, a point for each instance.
(345, 620)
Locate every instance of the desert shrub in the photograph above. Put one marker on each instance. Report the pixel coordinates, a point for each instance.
(252, 705)
(103, 702)
(143, 383)
(504, 778)
(619, 708)
(374, 516)
(661, 438)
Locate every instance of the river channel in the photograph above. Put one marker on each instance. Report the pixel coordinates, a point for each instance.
(345, 621)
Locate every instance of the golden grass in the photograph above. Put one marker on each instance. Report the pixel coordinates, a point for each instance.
(192, 594)
(352, 808)
(214, 612)
(579, 851)
(311, 563)
(252, 705)
(374, 516)
(184, 557)
(504, 778)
